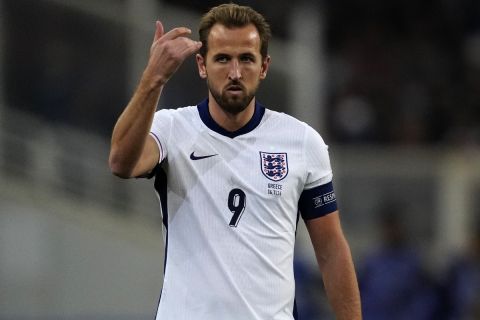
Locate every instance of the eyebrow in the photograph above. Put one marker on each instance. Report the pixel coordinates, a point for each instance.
(217, 55)
(244, 54)
(248, 54)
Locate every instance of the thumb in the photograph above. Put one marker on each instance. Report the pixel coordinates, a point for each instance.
(158, 30)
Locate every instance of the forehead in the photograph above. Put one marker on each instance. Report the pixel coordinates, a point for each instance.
(237, 39)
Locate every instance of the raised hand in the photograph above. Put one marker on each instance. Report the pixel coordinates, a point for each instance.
(168, 51)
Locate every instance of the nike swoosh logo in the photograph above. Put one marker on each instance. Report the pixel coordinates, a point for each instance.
(194, 157)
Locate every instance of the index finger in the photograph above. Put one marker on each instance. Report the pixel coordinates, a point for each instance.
(177, 32)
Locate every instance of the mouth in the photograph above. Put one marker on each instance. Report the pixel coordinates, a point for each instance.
(235, 88)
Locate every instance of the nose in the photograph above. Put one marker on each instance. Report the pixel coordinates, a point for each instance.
(234, 72)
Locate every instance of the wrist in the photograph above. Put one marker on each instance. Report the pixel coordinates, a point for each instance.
(152, 80)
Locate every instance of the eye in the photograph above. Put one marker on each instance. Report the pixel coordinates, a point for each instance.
(221, 59)
(247, 58)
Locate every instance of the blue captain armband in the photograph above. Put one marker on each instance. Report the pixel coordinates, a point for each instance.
(317, 202)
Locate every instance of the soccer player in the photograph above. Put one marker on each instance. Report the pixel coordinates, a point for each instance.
(232, 178)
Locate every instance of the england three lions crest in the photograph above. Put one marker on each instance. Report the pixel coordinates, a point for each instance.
(274, 165)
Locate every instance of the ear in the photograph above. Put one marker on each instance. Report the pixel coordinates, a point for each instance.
(265, 65)
(202, 70)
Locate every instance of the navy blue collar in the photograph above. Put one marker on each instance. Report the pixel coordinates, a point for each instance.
(212, 125)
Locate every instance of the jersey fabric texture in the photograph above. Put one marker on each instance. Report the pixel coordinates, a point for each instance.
(230, 204)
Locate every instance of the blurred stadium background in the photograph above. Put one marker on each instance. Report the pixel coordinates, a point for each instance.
(393, 87)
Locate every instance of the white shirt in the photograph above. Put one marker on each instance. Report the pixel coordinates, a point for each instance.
(230, 204)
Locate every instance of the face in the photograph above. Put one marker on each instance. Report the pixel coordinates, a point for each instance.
(233, 66)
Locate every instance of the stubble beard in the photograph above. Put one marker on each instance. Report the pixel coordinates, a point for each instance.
(232, 104)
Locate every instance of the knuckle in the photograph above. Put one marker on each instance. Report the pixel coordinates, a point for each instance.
(179, 31)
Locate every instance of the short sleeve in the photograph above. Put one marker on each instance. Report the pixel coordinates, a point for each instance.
(160, 130)
(318, 197)
(317, 160)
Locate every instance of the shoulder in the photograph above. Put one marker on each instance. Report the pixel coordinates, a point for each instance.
(284, 121)
(293, 126)
(176, 111)
(175, 114)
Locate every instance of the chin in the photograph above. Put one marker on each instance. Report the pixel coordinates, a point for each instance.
(232, 104)
(235, 105)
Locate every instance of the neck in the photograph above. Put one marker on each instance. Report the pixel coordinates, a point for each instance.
(229, 121)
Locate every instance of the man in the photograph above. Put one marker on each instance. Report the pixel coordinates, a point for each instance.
(235, 175)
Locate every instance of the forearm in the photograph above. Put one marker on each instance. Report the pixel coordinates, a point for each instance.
(129, 138)
(133, 126)
(341, 282)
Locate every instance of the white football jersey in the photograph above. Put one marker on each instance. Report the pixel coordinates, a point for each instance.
(230, 205)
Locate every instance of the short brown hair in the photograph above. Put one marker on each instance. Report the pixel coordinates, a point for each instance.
(232, 15)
